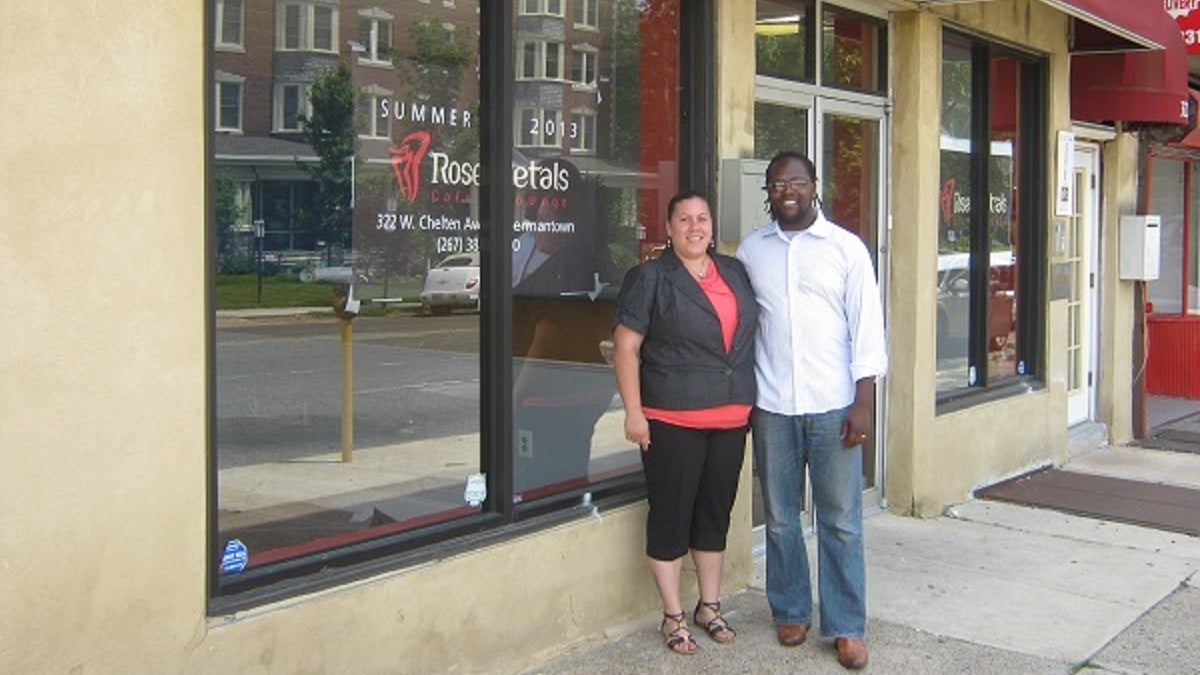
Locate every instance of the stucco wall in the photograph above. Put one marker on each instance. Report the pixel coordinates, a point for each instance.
(913, 273)
(102, 447)
(1117, 324)
(102, 394)
(937, 460)
(735, 80)
(491, 610)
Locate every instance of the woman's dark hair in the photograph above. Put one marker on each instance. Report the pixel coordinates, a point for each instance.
(687, 194)
(792, 154)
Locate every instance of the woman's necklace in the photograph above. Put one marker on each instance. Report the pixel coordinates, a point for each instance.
(700, 273)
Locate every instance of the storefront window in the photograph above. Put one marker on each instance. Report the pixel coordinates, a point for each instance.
(954, 227)
(1171, 178)
(989, 210)
(351, 181)
(370, 190)
(1002, 307)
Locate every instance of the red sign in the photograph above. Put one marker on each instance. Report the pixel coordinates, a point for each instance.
(1187, 14)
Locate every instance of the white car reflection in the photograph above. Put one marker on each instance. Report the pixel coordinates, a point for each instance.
(454, 282)
(954, 299)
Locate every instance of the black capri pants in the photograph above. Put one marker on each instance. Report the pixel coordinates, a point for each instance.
(691, 482)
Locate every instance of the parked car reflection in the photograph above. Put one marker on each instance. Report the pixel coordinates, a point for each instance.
(954, 300)
(454, 282)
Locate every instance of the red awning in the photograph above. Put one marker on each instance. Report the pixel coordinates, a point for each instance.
(1118, 25)
(1128, 83)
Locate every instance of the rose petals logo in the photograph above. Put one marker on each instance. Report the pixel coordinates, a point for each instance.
(947, 200)
(406, 162)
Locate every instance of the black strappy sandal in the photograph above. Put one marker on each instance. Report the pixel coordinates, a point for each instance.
(679, 637)
(717, 628)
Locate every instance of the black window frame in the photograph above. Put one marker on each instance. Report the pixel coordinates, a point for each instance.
(1032, 190)
(500, 519)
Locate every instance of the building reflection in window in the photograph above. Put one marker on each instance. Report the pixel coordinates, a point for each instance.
(394, 206)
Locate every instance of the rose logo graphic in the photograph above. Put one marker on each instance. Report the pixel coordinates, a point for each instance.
(406, 162)
(947, 201)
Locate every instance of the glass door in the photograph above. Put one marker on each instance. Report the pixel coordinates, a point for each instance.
(850, 139)
(1081, 251)
(822, 90)
(781, 122)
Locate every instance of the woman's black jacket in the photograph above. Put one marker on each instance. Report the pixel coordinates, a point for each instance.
(684, 365)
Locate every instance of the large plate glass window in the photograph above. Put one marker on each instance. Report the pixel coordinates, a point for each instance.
(1174, 194)
(350, 257)
(991, 216)
(352, 180)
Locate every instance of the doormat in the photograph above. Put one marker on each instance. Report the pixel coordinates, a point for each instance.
(1163, 507)
(1177, 440)
(1181, 435)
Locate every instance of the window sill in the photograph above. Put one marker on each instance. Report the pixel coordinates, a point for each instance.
(969, 397)
(375, 63)
(330, 569)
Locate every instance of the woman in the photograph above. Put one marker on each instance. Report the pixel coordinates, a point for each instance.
(684, 361)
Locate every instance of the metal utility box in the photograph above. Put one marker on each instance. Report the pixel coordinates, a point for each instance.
(1139, 247)
(742, 198)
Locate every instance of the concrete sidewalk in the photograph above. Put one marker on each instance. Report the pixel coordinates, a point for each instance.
(987, 588)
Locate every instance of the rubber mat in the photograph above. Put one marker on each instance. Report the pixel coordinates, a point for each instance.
(1163, 507)
(1177, 440)
(1180, 435)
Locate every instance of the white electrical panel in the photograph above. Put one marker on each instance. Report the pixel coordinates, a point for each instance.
(742, 198)
(1139, 247)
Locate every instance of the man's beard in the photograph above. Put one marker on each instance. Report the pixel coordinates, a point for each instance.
(797, 217)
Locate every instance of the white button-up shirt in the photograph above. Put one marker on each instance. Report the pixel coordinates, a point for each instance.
(820, 319)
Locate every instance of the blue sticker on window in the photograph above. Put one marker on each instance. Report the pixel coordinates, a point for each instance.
(234, 558)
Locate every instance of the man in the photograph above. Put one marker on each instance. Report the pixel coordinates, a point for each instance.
(820, 348)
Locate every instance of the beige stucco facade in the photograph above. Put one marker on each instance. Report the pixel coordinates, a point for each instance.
(103, 439)
(935, 460)
(103, 443)
(1116, 296)
(102, 391)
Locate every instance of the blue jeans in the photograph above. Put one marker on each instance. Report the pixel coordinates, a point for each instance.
(783, 446)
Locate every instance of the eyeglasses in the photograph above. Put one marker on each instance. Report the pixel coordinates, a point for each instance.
(781, 185)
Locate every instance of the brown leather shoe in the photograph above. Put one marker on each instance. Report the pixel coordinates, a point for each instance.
(852, 652)
(792, 634)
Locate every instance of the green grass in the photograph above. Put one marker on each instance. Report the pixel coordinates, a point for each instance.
(240, 291)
